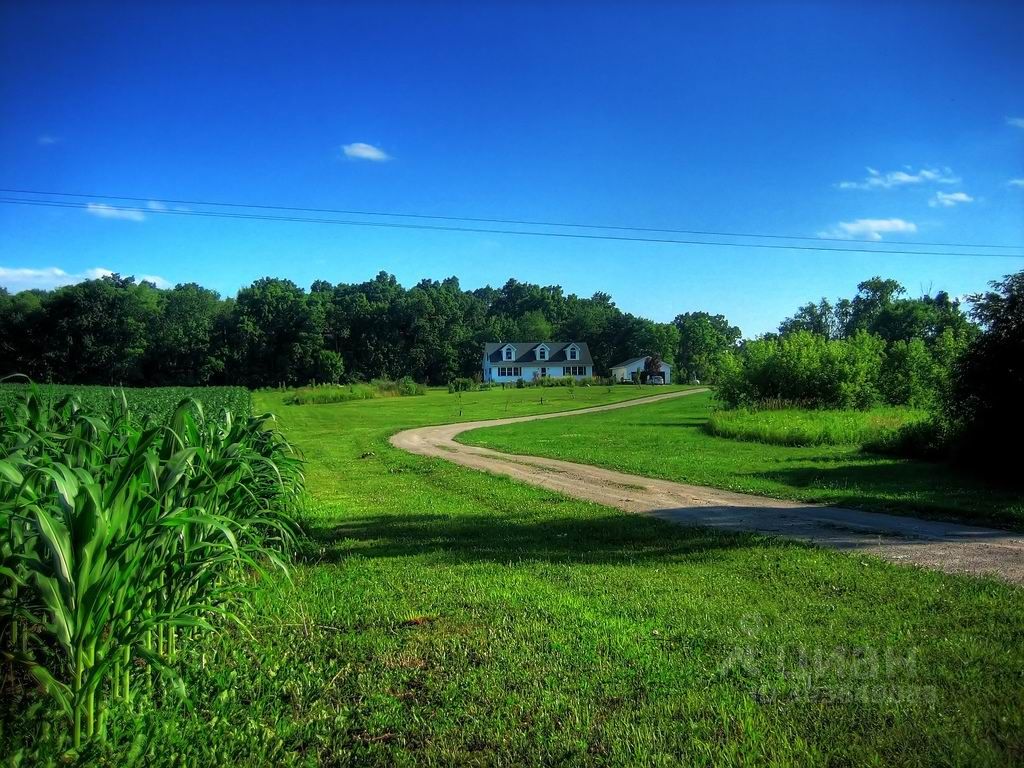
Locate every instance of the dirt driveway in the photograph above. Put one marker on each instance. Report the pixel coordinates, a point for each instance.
(931, 544)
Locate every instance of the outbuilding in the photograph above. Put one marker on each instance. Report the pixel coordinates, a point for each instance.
(631, 370)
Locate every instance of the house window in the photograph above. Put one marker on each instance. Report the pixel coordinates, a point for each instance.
(508, 353)
(573, 354)
(574, 370)
(510, 371)
(542, 354)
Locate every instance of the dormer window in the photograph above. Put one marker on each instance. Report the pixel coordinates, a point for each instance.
(508, 353)
(574, 354)
(542, 354)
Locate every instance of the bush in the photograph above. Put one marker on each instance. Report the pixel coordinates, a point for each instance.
(334, 393)
(910, 374)
(564, 381)
(406, 387)
(555, 381)
(804, 369)
(463, 384)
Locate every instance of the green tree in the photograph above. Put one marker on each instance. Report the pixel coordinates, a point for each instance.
(984, 407)
(823, 318)
(279, 335)
(703, 338)
(873, 297)
(23, 341)
(190, 337)
(98, 331)
(533, 326)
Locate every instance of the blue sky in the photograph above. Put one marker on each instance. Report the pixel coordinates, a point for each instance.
(859, 120)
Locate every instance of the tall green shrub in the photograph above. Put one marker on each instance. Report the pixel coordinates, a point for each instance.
(805, 369)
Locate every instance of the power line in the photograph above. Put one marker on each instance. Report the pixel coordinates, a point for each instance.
(482, 230)
(518, 222)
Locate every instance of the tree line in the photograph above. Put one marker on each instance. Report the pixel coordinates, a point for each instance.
(965, 367)
(115, 330)
(879, 346)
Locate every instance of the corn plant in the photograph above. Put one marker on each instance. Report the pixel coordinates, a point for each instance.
(117, 534)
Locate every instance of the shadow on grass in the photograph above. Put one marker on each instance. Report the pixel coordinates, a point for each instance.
(608, 539)
(931, 490)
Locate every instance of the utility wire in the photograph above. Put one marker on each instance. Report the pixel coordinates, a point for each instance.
(482, 230)
(519, 222)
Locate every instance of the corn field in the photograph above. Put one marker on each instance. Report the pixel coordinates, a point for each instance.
(157, 403)
(122, 537)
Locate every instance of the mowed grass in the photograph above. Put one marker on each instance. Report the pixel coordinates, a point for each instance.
(669, 440)
(795, 426)
(442, 616)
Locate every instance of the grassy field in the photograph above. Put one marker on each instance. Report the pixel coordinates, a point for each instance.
(795, 426)
(442, 616)
(669, 440)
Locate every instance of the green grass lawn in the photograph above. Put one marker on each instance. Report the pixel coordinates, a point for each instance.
(441, 616)
(668, 440)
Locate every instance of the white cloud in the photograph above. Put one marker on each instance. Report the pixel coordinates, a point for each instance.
(361, 151)
(105, 211)
(949, 199)
(156, 205)
(1016, 122)
(26, 278)
(870, 229)
(878, 180)
(1016, 182)
(21, 279)
(46, 140)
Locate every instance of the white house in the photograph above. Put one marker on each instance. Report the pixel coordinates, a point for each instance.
(529, 360)
(631, 370)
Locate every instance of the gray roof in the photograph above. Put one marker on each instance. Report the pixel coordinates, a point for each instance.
(526, 352)
(634, 360)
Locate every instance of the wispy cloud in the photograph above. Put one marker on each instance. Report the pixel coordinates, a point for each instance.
(26, 278)
(156, 205)
(46, 140)
(949, 199)
(1016, 182)
(878, 180)
(105, 211)
(361, 151)
(870, 229)
(1016, 122)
